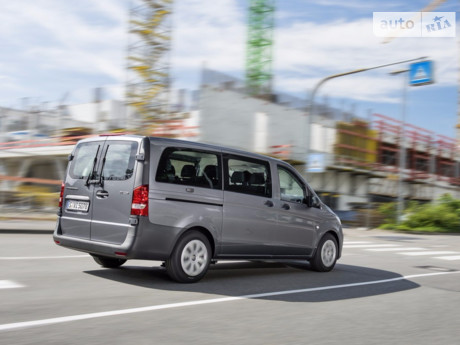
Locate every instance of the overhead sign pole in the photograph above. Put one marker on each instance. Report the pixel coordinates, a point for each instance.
(311, 106)
(419, 73)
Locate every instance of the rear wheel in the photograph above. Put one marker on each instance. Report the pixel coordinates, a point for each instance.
(326, 254)
(108, 262)
(190, 258)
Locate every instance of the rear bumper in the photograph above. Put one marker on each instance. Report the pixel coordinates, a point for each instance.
(145, 241)
(123, 250)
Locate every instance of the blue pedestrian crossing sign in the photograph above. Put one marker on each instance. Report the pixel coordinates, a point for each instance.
(421, 73)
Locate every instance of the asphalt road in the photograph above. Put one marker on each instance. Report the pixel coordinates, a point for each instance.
(388, 288)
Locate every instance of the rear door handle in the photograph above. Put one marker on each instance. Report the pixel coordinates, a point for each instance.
(102, 194)
(268, 203)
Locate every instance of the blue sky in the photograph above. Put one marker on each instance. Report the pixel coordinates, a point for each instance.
(51, 48)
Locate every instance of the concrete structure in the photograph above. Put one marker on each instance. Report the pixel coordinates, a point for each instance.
(357, 161)
(229, 117)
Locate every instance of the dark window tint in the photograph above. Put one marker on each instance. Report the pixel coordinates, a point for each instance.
(248, 176)
(83, 162)
(119, 160)
(190, 167)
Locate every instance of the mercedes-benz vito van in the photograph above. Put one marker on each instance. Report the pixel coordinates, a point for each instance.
(189, 204)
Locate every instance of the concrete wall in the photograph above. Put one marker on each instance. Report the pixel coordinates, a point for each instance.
(229, 118)
(104, 115)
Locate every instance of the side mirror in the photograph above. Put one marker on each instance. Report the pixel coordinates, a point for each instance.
(308, 200)
(312, 201)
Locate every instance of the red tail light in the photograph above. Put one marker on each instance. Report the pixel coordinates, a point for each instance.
(140, 205)
(61, 196)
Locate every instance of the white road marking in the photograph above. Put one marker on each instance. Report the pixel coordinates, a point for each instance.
(369, 245)
(27, 324)
(42, 257)
(393, 249)
(8, 284)
(451, 258)
(428, 253)
(355, 242)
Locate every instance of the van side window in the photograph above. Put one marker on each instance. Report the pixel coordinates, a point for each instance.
(83, 161)
(290, 188)
(248, 176)
(120, 157)
(190, 167)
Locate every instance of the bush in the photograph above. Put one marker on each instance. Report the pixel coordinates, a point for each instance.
(389, 212)
(443, 216)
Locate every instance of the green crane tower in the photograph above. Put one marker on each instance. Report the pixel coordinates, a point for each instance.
(259, 48)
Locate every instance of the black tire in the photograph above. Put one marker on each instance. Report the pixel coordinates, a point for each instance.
(108, 262)
(190, 258)
(326, 254)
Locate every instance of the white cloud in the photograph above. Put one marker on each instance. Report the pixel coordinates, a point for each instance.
(52, 46)
(306, 53)
(62, 45)
(363, 88)
(214, 34)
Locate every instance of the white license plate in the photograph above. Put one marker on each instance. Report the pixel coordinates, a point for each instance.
(75, 205)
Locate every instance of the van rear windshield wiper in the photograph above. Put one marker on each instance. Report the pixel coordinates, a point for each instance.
(90, 175)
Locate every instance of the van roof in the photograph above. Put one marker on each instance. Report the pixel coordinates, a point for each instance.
(170, 141)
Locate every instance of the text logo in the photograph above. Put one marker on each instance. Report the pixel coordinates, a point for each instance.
(438, 24)
(414, 24)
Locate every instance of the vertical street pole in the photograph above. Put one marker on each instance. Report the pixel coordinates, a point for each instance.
(368, 182)
(402, 146)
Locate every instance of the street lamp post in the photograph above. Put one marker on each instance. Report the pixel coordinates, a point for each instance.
(402, 144)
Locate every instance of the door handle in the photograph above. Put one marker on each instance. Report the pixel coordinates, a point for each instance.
(286, 207)
(268, 203)
(102, 194)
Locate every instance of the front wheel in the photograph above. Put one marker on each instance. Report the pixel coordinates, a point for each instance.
(326, 254)
(105, 261)
(190, 258)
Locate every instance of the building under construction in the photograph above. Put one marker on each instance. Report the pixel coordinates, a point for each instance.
(358, 160)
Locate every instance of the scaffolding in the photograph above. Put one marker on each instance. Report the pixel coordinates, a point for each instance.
(148, 82)
(446, 164)
(356, 144)
(428, 156)
(389, 137)
(419, 153)
(259, 49)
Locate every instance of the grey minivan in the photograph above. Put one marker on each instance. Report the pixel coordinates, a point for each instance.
(190, 204)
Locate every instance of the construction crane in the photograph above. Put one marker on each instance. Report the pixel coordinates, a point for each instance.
(259, 48)
(148, 81)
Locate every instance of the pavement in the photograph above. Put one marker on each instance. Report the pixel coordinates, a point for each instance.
(27, 222)
(387, 288)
